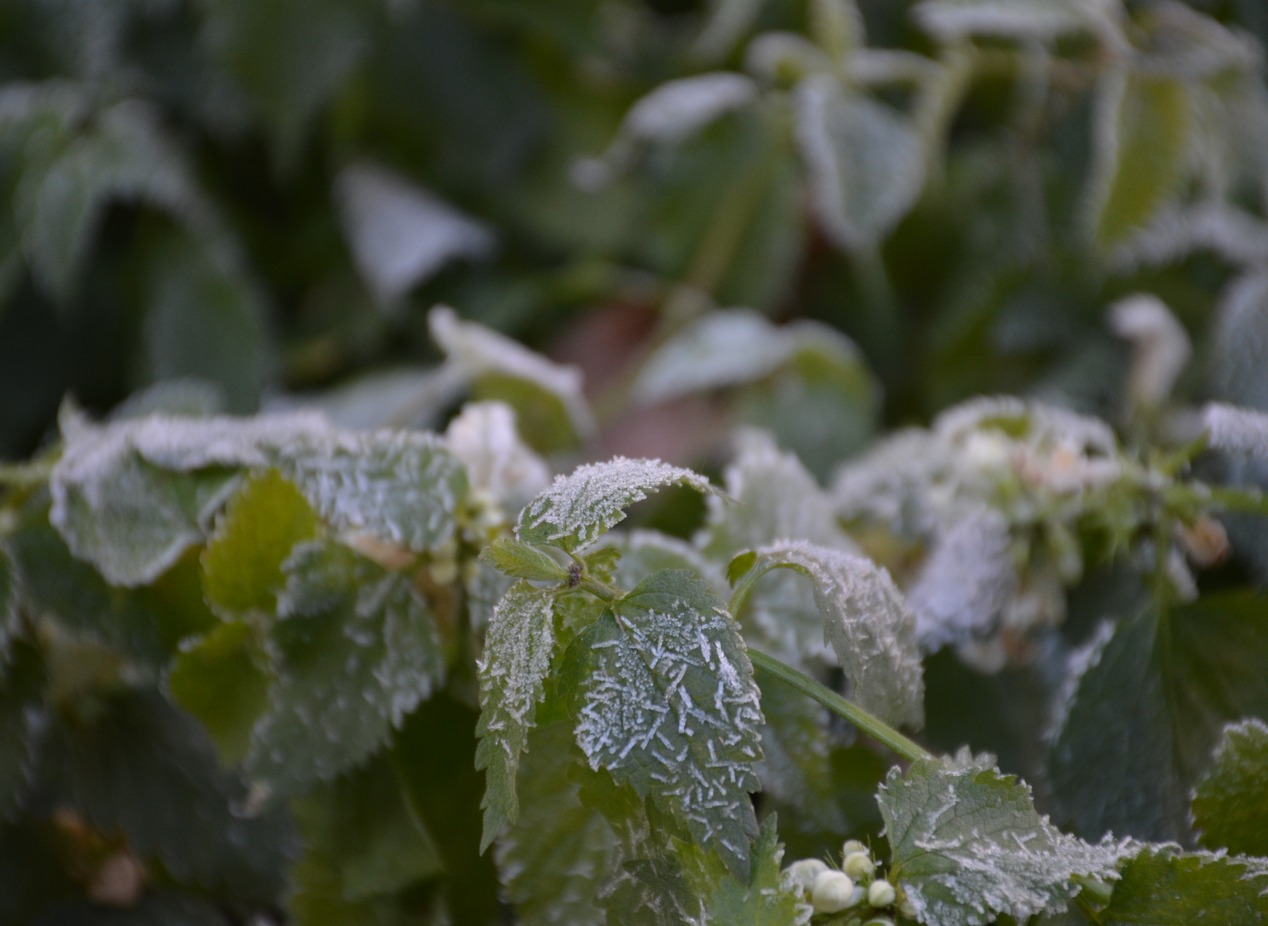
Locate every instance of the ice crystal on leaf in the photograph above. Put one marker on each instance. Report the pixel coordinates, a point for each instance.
(866, 621)
(579, 508)
(669, 706)
(517, 656)
(968, 845)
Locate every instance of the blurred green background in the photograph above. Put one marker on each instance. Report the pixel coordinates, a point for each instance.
(269, 196)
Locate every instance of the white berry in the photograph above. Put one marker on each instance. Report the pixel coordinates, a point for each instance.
(858, 865)
(832, 892)
(881, 893)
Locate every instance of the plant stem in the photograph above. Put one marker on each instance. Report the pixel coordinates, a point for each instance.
(874, 727)
(25, 475)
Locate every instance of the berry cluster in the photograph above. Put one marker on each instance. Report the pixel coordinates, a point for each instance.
(855, 887)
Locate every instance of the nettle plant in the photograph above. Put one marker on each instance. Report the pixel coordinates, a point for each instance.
(267, 669)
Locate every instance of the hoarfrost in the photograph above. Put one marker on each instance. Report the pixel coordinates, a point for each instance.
(400, 233)
(1177, 231)
(970, 845)
(579, 507)
(517, 653)
(890, 482)
(671, 708)
(966, 581)
(867, 623)
(117, 504)
(1240, 430)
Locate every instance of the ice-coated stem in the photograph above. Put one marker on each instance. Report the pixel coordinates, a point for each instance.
(874, 727)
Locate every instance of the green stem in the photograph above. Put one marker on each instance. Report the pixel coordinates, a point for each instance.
(25, 475)
(874, 727)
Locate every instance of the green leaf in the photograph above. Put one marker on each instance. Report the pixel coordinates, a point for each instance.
(1163, 887)
(670, 707)
(640, 553)
(1032, 20)
(362, 827)
(161, 907)
(865, 162)
(578, 508)
(866, 621)
(523, 561)
(546, 396)
(289, 58)
(1230, 803)
(967, 844)
(71, 174)
(145, 768)
(1142, 142)
(1147, 711)
(555, 861)
(22, 714)
(761, 899)
(205, 319)
(253, 536)
(358, 650)
(223, 680)
(518, 647)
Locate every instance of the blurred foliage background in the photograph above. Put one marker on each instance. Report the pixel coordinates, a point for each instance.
(269, 196)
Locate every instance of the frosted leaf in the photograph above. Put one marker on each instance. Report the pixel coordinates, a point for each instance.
(357, 650)
(969, 845)
(132, 495)
(1035, 422)
(865, 162)
(679, 108)
(1240, 342)
(1182, 41)
(728, 348)
(889, 483)
(401, 486)
(578, 508)
(1238, 430)
(769, 495)
(1163, 885)
(480, 352)
(966, 581)
(499, 464)
(400, 233)
(1160, 346)
(393, 398)
(772, 55)
(867, 623)
(1177, 231)
(517, 654)
(1044, 20)
(670, 707)
(1230, 803)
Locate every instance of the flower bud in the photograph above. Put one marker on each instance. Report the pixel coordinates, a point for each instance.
(832, 892)
(859, 865)
(851, 846)
(804, 871)
(880, 893)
